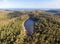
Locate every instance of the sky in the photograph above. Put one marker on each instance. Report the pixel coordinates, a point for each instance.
(29, 3)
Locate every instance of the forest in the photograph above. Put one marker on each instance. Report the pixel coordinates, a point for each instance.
(46, 27)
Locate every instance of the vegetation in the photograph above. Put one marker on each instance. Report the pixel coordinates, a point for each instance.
(13, 32)
(46, 28)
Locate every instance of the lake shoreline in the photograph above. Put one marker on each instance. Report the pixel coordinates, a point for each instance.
(29, 26)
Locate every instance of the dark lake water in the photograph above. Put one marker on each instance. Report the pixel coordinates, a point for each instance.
(29, 26)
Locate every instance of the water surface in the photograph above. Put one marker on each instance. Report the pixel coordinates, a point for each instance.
(29, 26)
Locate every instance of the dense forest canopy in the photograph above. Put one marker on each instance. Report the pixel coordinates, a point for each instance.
(46, 27)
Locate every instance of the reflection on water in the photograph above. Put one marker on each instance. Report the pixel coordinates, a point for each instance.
(29, 26)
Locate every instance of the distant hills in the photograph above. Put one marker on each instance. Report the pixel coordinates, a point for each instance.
(19, 9)
(25, 9)
(53, 10)
(56, 11)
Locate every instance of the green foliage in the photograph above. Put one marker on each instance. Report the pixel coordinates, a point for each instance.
(10, 32)
(46, 30)
(13, 32)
